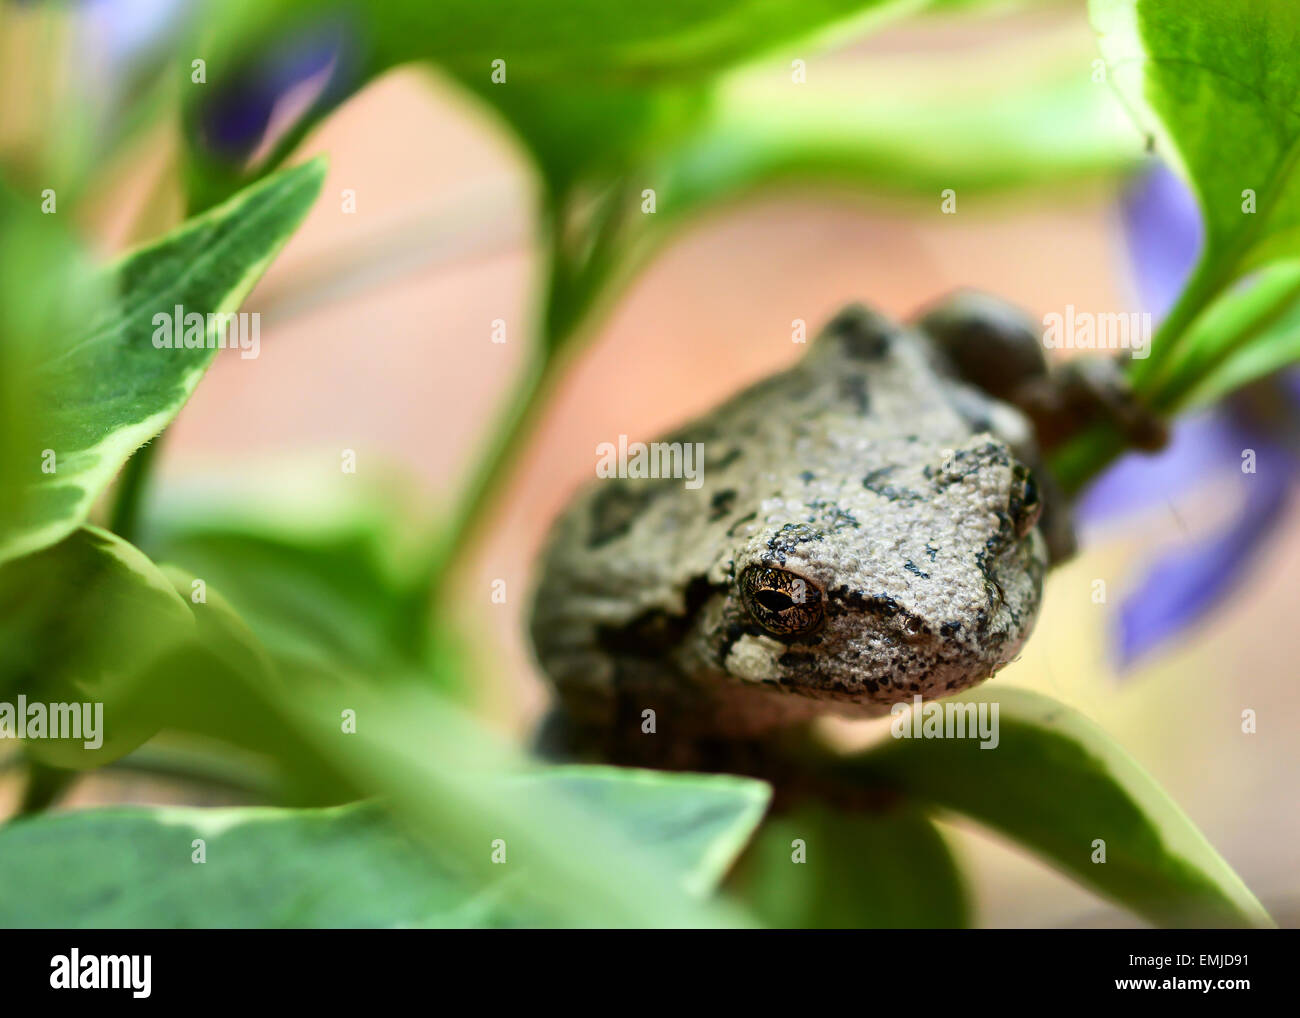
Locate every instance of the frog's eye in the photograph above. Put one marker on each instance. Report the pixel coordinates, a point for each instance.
(1024, 505)
(782, 602)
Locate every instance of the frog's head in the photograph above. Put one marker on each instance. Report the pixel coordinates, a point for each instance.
(922, 578)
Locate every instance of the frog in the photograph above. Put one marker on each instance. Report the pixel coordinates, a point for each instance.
(871, 525)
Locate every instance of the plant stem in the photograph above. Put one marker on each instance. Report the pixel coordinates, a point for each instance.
(504, 447)
(124, 520)
(1184, 385)
(1085, 456)
(44, 786)
(522, 409)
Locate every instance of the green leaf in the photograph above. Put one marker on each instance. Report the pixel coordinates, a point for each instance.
(103, 389)
(1056, 783)
(577, 41)
(699, 823)
(117, 868)
(879, 870)
(78, 622)
(318, 735)
(321, 573)
(1218, 86)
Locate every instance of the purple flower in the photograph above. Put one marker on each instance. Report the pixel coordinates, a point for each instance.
(1181, 586)
(249, 110)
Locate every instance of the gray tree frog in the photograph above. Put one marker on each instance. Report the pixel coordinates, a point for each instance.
(870, 527)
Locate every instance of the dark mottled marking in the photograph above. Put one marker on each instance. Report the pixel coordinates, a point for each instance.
(798, 659)
(721, 503)
(617, 506)
(749, 517)
(874, 604)
(854, 389)
(725, 460)
(790, 537)
(833, 516)
(807, 477)
(652, 633)
(863, 334)
(874, 482)
(912, 568)
(950, 628)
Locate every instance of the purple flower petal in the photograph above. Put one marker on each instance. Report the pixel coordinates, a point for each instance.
(1162, 225)
(1183, 586)
(1199, 447)
(234, 120)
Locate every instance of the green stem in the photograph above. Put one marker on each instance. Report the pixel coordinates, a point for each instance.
(504, 447)
(124, 519)
(1085, 456)
(522, 409)
(198, 767)
(575, 282)
(1201, 289)
(1184, 384)
(44, 786)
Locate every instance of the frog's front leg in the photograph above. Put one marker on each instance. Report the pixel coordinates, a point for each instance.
(992, 344)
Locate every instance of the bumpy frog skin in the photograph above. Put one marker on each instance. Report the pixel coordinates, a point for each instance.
(866, 531)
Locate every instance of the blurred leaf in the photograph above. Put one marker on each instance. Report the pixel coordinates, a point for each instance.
(1055, 783)
(329, 735)
(47, 289)
(886, 870)
(105, 389)
(574, 40)
(115, 868)
(859, 126)
(78, 621)
(336, 581)
(586, 84)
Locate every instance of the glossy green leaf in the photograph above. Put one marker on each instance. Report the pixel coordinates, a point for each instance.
(820, 868)
(128, 867)
(698, 823)
(1216, 86)
(1057, 784)
(104, 389)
